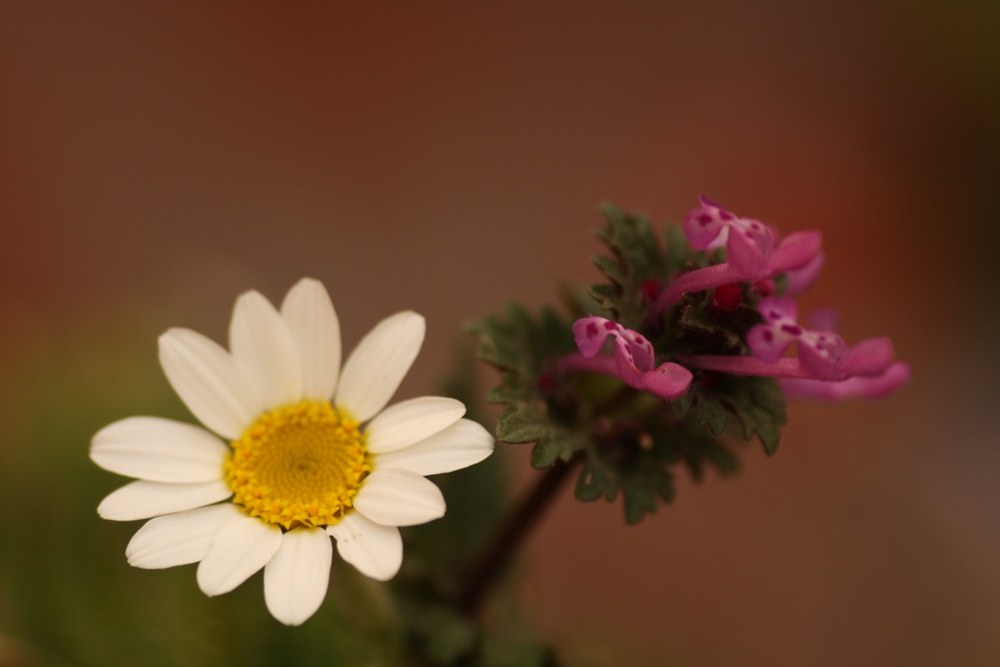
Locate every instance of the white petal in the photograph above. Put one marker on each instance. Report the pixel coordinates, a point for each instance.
(261, 343)
(239, 549)
(179, 539)
(462, 444)
(395, 497)
(159, 450)
(378, 364)
(376, 550)
(411, 421)
(142, 499)
(210, 382)
(314, 326)
(296, 579)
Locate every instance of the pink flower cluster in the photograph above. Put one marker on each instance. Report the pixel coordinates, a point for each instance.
(824, 368)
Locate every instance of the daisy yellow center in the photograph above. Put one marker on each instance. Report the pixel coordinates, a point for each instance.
(300, 465)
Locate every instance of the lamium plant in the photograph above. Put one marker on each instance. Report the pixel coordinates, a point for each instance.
(690, 347)
(675, 358)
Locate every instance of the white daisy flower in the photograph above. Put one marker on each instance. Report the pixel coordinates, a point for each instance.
(311, 453)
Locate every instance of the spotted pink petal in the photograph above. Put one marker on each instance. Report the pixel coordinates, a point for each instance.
(822, 354)
(768, 342)
(641, 349)
(591, 332)
(762, 236)
(775, 308)
(703, 225)
(625, 361)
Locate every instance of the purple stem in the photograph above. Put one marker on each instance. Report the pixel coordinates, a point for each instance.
(477, 581)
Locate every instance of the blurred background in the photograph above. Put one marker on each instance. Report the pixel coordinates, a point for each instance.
(158, 159)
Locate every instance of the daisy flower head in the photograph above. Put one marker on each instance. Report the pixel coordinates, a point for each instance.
(308, 451)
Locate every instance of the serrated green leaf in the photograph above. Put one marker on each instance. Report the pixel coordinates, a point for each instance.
(596, 480)
(606, 297)
(759, 404)
(711, 413)
(610, 268)
(519, 424)
(549, 450)
(510, 390)
(681, 406)
(677, 247)
(639, 499)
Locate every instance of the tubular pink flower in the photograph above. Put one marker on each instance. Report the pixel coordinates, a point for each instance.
(752, 252)
(633, 362)
(822, 355)
(880, 386)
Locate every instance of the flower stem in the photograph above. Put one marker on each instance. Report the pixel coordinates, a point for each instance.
(483, 573)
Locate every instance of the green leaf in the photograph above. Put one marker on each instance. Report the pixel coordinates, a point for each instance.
(711, 413)
(596, 480)
(681, 406)
(759, 404)
(678, 250)
(636, 257)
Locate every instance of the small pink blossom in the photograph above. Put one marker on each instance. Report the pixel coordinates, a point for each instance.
(825, 368)
(822, 354)
(753, 252)
(633, 362)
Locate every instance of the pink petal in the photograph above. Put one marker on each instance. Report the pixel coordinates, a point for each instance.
(763, 236)
(703, 225)
(800, 279)
(825, 319)
(745, 256)
(869, 358)
(641, 349)
(775, 308)
(768, 342)
(796, 251)
(625, 361)
(822, 354)
(591, 332)
(668, 381)
(897, 375)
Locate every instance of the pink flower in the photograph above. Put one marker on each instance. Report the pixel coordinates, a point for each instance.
(752, 252)
(825, 368)
(822, 354)
(633, 362)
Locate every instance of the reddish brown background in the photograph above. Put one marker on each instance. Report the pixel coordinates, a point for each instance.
(156, 160)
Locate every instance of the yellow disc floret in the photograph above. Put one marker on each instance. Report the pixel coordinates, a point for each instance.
(300, 465)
